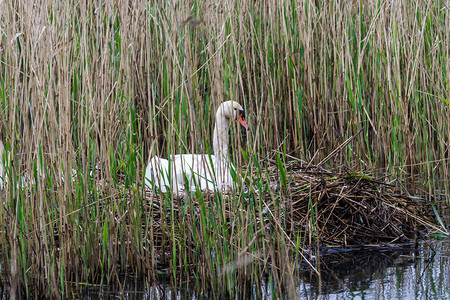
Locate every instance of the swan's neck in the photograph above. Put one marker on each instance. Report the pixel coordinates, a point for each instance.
(221, 135)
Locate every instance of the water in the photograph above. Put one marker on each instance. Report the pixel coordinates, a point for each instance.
(399, 273)
(382, 274)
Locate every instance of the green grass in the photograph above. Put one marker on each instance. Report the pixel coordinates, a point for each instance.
(96, 87)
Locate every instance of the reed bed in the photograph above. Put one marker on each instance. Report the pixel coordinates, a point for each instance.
(99, 87)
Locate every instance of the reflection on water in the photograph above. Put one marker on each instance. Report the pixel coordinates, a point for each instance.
(382, 274)
(363, 274)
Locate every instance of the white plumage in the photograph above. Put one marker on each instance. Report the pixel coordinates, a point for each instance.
(208, 172)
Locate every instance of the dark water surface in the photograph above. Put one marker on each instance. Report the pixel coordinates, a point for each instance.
(399, 273)
(384, 274)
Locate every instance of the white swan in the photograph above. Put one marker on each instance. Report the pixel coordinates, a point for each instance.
(208, 172)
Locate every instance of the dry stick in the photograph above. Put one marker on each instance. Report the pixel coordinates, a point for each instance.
(81, 208)
(332, 210)
(421, 221)
(314, 156)
(282, 230)
(338, 149)
(443, 3)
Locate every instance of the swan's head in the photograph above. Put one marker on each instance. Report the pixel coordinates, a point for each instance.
(232, 110)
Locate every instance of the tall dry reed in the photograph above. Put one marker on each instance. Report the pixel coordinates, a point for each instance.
(97, 87)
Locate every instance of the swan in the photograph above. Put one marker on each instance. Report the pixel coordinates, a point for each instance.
(208, 172)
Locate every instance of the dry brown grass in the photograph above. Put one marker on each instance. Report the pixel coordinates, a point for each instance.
(97, 86)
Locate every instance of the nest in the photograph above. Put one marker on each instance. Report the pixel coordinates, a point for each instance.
(350, 208)
(332, 209)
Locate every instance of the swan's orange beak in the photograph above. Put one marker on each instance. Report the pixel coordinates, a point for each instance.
(242, 121)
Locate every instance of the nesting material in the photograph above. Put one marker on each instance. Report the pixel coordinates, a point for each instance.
(350, 208)
(335, 209)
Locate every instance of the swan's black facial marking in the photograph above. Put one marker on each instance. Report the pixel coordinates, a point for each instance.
(242, 113)
(241, 117)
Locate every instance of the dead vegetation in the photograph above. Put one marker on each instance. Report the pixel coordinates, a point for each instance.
(346, 209)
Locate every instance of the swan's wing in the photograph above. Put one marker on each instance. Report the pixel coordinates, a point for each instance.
(164, 174)
(157, 173)
(198, 170)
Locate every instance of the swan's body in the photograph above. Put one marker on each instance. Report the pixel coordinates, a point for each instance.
(207, 172)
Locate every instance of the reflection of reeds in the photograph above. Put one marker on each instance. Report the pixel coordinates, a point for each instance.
(93, 86)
